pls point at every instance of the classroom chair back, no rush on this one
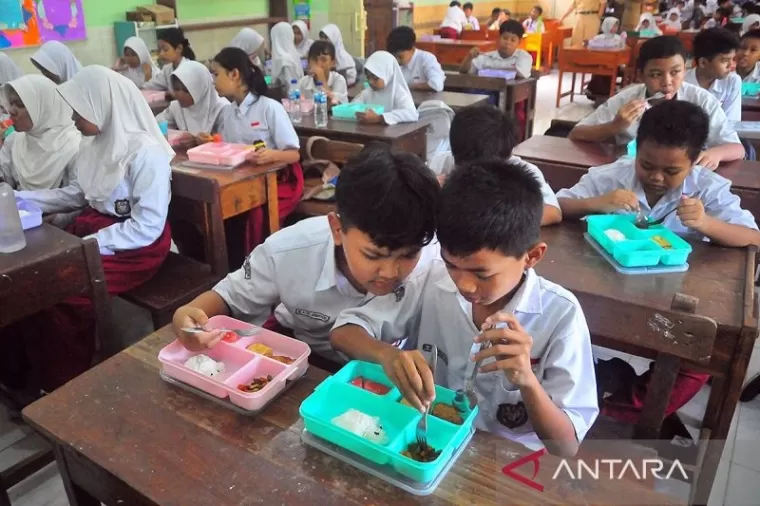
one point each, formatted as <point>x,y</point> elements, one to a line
<point>533,43</point>
<point>439,117</point>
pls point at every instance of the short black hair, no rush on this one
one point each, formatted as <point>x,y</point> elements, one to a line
<point>489,204</point>
<point>468,5</point>
<point>539,9</point>
<point>401,38</point>
<point>512,26</point>
<point>676,124</point>
<point>455,4</point>
<point>391,197</point>
<point>495,11</point>
<point>320,47</point>
<point>658,48</point>
<point>713,42</point>
<point>752,34</point>
<point>481,132</point>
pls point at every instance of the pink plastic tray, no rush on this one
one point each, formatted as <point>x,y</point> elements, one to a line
<point>174,136</point>
<point>220,153</point>
<point>154,95</point>
<point>241,365</point>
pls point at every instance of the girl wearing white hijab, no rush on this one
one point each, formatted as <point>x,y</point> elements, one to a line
<point>647,26</point>
<point>387,88</point>
<point>673,19</point>
<point>123,187</point>
<point>751,22</point>
<point>250,41</point>
<point>197,105</point>
<point>136,63</point>
<point>609,38</point>
<point>8,69</point>
<point>40,154</point>
<point>345,64</point>
<point>301,38</point>
<point>286,63</point>
<point>56,62</point>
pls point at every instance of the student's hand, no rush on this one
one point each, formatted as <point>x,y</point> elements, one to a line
<point>691,212</point>
<point>618,199</point>
<point>265,156</point>
<point>319,74</point>
<point>474,52</point>
<point>191,317</point>
<point>708,160</point>
<point>630,113</point>
<point>147,71</point>
<point>119,64</point>
<point>409,371</point>
<point>203,138</point>
<point>186,141</point>
<point>369,116</point>
<point>511,347</point>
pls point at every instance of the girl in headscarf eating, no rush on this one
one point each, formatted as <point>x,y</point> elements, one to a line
<point>250,41</point>
<point>56,62</point>
<point>647,26</point>
<point>301,38</point>
<point>136,63</point>
<point>345,64</point>
<point>286,63</point>
<point>609,38</point>
<point>387,88</point>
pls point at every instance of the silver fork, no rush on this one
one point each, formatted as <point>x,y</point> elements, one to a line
<point>422,424</point>
<point>240,332</point>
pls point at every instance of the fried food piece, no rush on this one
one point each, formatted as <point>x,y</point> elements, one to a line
<point>421,453</point>
<point>664,244</point>
<point>282,358</point>
<point>255,385</point>
<point>447,412</point>
<point>261,349</point>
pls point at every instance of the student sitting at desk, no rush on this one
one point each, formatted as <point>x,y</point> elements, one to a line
<point>174,49</point>
<point>374,247</point>
<point>540,389</point>
<point>123,190</point>
<point>387,87</point>
<point>665,176</point>
<point>136,64</point>
<point>751,22</point>
<point>346,66</point>
<point>472,21</point>
<point>250,41</point>
<point>421,69</point>
<point>321,64</point>
<point>534,23</point>
<point>253,117</point>
<point>662,64</point>
<point>609,38</point>
<point>672,21</point>
<point>196,105</point>
<point>498,16</point>
<point>714,51</point>
<point>508,56</point>
<point>301,38</point>
<point>453,24</point>
<point>56,62</point>
<point>286,62</point>
<point>647,26</point>
<point>747,64</point>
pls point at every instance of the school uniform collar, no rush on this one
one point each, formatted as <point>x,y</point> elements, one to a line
<point>527,300</point>
<point>328,277</point>
<point>688,187</point>
<point>718,86</point>
<point>246,104</point>
<point>412,60</point>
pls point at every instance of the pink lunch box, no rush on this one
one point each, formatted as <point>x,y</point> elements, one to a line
<point>220,153</point>
<point>154,96</point>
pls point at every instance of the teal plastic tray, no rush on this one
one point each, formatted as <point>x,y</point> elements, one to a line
<point>348,111</point>
<point>638,249</point>
<point>336,395</point>
<point>750,89</point>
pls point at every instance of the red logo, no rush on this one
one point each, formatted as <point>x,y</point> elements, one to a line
<point>533,457</point>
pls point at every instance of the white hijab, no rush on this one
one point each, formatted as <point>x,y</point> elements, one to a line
<point>137,45</point>
<point>673,24</point>
<point>284,52</point>
<point>40,156</point>
<point>647,16</point>
<point>749,21</point>
<point>385,66</point>
<point>342,58</point>
<point>57,59</point>
<point>115,105</point>
<point>607,26</point>
<point>8,69</point>
<point>303,47</point>
<point>201,116</point>
<point>249,40</point>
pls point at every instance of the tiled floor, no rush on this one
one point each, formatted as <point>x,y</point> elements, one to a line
<point>737,482</point>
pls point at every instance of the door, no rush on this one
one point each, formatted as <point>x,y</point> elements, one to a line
<point>351,18</point>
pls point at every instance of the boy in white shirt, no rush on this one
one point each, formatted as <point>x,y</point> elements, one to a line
<point>663,65</point>
<point>508,56</point>
<point>536,384</point>
<point>472,21</point>
<point>373,247</point>
<point>714,52</point>
<point>321,64</point>
<point>747,64</point>
<point>534,23</point>
<point>421,69</point>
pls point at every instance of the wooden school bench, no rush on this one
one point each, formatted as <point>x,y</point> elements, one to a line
<point>453,99</point>
<point>580,60</point>
<point>450,53</point>
<point>182,449</point>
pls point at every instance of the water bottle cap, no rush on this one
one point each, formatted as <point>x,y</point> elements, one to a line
<point>318,83</point>
<point>293,81</point>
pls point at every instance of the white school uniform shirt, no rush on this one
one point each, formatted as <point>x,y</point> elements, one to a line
<point>721,131</point>
<point>711,23</point>
<point>424,68</point>
<point>521,61</point>
<point>455,18</point>
<point>712,189</point>
<point>336,83</point>
<point>533,25</point>
<point>728,92</point>
<point>258,118</point>
<point>754,76</point>
<point>473,22</point>
<point>395,97</point>
<point>162,81</point>
<point>295,270</point>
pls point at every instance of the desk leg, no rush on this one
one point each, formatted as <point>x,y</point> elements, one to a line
<point>215,238</point>
<point>572,86</point>
<point>77,495</point>
<point>273,205</point>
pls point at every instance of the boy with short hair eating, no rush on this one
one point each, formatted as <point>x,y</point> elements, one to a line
<point>714,52</point>
<point>421,69</point>
<point>508,56</point>
<point>747,57</point>
<point>662,63</point>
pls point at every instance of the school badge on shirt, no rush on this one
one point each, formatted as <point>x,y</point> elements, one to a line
<point>512,416</point>
<point>122,207</point>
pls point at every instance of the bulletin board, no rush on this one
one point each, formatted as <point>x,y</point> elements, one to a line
<point>25,23</point>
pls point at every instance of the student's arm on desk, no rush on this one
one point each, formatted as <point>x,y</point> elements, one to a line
<point>467,65</point>
<point>589,196</point>
<point>711,158</point>
<point>717,214</point>
<point>607,121</point>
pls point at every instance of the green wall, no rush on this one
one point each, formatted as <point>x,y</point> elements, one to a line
<point>105,12</point>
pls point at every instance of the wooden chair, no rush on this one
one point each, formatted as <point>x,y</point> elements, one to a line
<point>584,61</point>
<point>533,43</point>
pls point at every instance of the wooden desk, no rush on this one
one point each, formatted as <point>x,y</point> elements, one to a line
<point>206,198</point>
<point>453,99</point>
<point>123,436</point>
<point>590,61</point>
<point>451,52</point>
<point>616,306</point>
<point>750,109</point>
<point>409,137</point>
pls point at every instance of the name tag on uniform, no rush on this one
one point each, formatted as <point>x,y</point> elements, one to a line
<point>314,315</point>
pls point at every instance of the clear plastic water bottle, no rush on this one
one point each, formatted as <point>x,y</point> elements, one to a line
<point>294,96</point>
<point>11,234</point>
<point>320,105</point>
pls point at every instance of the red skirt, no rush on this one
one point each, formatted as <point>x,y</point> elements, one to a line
<point>448,33</point>
<point>289,192</point>
<point>59,342</point>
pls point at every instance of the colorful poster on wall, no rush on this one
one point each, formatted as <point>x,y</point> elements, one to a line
<point>26,23</point>
<point>302,10</point>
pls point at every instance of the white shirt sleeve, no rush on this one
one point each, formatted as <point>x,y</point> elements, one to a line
<point>725,206</point>
<point>339,89</point>
<point>605,113</point>
<point>58,200</point>
<point>251,291</point>
<point>474,22</point>
<point>433,72</point>
<point>477,64</point>
<point>282,131</point>
<point>404,110</point>
<point>721,130</point>
<point>550,199</point>
<point>523,63</point>
<point>150,175</point>
<point>591,185</point>
<point>160,81</point>
<point>168,116</point>
<point>350,75</point>
<point>732,104</point>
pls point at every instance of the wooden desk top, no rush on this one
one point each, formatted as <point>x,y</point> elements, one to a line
<point>456,42</point>
<point>453,99</point>
<point>562,150</point>
<point>354,128</point>
<point>742,174</point>
<point>171,447</point>
<point>42,243</point>
<point>224,177</point>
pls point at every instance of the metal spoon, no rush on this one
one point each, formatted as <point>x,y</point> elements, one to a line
<point>240,332</point>
<point>465,399</point>
<point>656,96</point>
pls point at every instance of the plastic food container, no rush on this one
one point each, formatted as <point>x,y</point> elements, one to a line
<point>307,105</point>
<point>750,89</point>
<point>31,215</point>
<point>507,75</point>
<point>154,95</point>
<point>174,136</point>
<point>241,365</point>
<point>336,395</point>
<point>219,153</point>
<point>640,247</point>
<point>348,111</point>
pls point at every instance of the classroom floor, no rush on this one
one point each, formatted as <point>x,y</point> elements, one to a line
<point>736,484</point>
